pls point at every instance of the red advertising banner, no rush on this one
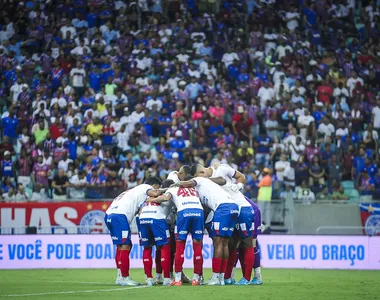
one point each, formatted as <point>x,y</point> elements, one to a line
<point>64,217</point>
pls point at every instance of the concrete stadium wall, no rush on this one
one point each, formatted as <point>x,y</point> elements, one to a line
<point>309,217</point>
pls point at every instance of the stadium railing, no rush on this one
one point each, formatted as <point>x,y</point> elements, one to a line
<point>345,230</point>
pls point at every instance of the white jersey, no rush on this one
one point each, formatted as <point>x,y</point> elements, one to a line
<point>185,198</point>
<point>228,173</point>
<point>156,211</point>
<point>173,175</point>
<point>211,194</point>
<point>128,202</point>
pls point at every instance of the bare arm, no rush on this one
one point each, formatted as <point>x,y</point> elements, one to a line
<point>163,198</point>
<point>185,184</point>
<point>219,180</point>
<point>240,177</point>
<point>154,193</point>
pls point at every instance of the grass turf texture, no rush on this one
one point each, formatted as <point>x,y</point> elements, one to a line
<point>278,284</point>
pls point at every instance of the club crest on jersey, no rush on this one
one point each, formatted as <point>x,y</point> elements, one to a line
<point>93,222</point>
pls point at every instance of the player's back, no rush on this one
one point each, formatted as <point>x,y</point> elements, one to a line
<point>185,198</point>
<point>128,202</point>
<point>210,193</point>
<point>156,211</point>
<point>228,173</point>
<point>173,175</point>
<point>224,171</point>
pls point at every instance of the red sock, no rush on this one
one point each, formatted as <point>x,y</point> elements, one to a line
<point>198,258</point>
<point>148,262</point>
<point>249,259</point>
<point>165,260</point>
<point>158,261</point>
<point>216,264</point>
<point>241,259</point>
<point>117,258</point>
<point>172,252</point>
<point>223,267</point>
<point>230,264</point>
<point>179,256</point>
<point>124,265</point>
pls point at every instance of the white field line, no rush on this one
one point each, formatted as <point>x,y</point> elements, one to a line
<point>82,282</point>
<point>73,292</point>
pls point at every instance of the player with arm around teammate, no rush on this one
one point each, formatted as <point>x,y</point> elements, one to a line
<point>226,212</point>
<point>118,218</point>
<point>190,219</point>
<point>153,230</point>
<point>245,225</point>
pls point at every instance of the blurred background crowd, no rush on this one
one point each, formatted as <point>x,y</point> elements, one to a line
<point>97,95</point>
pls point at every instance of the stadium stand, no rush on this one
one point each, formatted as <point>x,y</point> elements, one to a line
<point>98,95</point>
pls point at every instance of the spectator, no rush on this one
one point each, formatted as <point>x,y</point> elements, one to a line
<point>264,197</point>
<point>304,193</point>
<point>78,182</point>
<point>366,186</point>
<point>316,172</point>
<point>339,194</point>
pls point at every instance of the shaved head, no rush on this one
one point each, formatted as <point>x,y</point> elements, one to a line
<point>183,172</point>
<point>198,170</point>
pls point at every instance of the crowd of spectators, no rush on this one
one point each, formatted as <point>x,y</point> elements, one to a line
<point>96,95</point>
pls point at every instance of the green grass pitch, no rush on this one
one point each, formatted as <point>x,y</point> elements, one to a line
<point>278,284</point>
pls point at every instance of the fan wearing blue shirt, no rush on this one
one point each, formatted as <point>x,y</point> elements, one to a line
<point>92,18</point>
<point>371,168</point>
<point>318,114</point>
<point>243,77</point>
<point>193,88</point>
<point>233,70</point>
<point>71,145</point>
<point>10,124</point>
<point>262,146</point>
<point>95,79</point>
<point>164,121</point>
<point>359,162</point>
<point>178,145</point>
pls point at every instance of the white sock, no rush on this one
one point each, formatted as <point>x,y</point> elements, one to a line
<point>158,276</point>
<point>215,276</point>
<point>257,273</point>
<point>196,277</point>
<point>233,273</point>
<point>168,279</point>
<point>221,276</point>
<point>171,275</point>
<point>118,273</point>
<point>178,276</point>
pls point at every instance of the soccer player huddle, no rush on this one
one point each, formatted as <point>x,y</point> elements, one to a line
<point>193,199</point>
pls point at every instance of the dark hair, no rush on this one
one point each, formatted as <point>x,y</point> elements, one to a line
<point>186,169</point>
<point>153,181</point>
<point>166,183</point>
<point>189,177</point>
<point>194,169</point>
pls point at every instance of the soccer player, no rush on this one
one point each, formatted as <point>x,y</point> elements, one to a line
<point>153,230</point>
<point>226,212</point>
<point>245,224</point>
<point>182,173</point>
<point>190,219</point>
<point>118,218</point>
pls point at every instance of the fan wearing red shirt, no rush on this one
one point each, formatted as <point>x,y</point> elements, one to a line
<point>324,92</point>
<point>241,124</point>
<point>56,128</point>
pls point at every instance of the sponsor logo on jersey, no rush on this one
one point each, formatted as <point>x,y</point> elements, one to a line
<point>115,238</point>
<point>234,211</point>
<point>158,238</point>
<point>225,228</point>
<point>192,215</point>
<point>183,232</point>
<point>198,232</point>
<point>144,239</point>
<point>190,202</point>
<point>146,221</point>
